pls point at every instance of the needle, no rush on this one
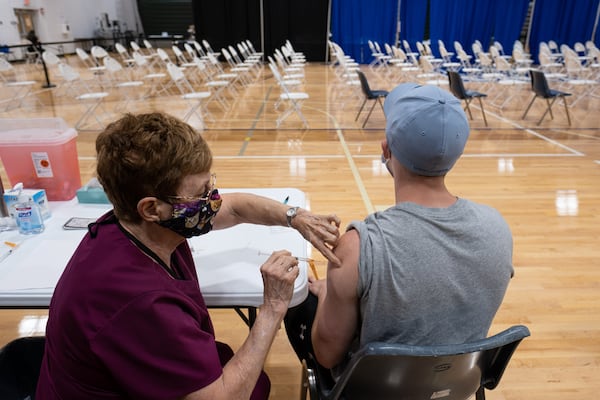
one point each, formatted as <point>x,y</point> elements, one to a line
<point>309,261</point>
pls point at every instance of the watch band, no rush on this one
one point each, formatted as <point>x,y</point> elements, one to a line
<point>291,214</point>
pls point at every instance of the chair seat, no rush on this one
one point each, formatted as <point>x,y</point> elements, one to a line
<point>472,93</point>
<point>21,83</point>
<point>92,96</point>
<point>130,84</point>
<point>217,83</point>
<point>291,82</point>
<point>155,76</point>
<point>556,93</point>
<point>227,76</point>
<point>378,93</point>
<point>196,95</point>
<point>294,96</point>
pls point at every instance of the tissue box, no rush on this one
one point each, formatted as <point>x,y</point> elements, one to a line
<point>92,192</point>
<point>37,195</point>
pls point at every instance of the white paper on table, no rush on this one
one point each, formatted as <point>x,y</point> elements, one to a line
<point>33,271</point>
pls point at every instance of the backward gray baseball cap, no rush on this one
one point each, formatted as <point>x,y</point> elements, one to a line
<point>426,128</point>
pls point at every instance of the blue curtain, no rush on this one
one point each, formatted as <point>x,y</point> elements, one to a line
<point>412,18</point>
<point>354,22</point>
<point>565,22</point>
<point>461,20</point>
<point>508,20</point>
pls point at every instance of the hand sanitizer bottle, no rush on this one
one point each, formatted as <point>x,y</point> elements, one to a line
<point>29,217</point>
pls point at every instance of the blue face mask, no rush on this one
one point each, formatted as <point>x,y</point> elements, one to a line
<point>194,218</point>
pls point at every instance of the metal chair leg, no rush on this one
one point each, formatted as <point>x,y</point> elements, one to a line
<point>361,108</point>
<point>482,111</point>
<point>369,115</point>
<point>528,107</point>
<point>550,104</point>
<point>564,99</point>
<point>549,108</point>
<point>467,108</point>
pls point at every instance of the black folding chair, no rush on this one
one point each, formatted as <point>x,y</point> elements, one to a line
<point>20,362</point>
<point>457,88</point>
<point>539,85</point>
<point>370,94</point>
<point>385,371</point>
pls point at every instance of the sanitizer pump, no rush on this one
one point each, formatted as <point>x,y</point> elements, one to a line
<point>28,215</point>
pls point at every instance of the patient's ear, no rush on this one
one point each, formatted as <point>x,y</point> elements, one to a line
<point>150,208</point>
<point>385,149</point>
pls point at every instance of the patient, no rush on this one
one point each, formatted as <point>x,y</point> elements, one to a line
<point>432,269</point>
<point>127,319</point>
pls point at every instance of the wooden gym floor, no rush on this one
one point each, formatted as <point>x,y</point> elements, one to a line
<point>545,179</point>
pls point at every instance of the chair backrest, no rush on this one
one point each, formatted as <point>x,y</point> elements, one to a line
<point>449,372</point>
<point>190,50</point>
<point>112,65</point>
<point>207,46</point>
<point>364,85</point>
<point>134,46</point>
<point>457,86</point>
<point>98,53</point>
<point>120,48</point>
<point>68,73</point>
<point>20,362</point>
<point>139,59</point>
<point>426,65</point>
<point>163,55</point>
<point>579,48</point>
<point>199,49</point>
<point>539,83</point>
<point>82,54</point>
<point>279,78</point>
<point>50,58</point>
<point>178,53</point>
<point>5,65</point>
<point>502,65</point>
<point>175,72</point>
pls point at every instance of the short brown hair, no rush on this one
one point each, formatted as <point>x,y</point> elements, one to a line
<point>147,155</point>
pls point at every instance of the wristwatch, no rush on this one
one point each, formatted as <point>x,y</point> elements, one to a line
<point>290,214</point>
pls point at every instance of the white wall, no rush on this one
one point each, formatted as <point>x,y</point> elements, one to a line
<point>81,16</point>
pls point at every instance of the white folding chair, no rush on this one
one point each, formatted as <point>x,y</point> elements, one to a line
<point>87,96</point>
<point>119,80</point>
<point>18,90</point>
<point>146,73</point>
<point>242,70</point>
<point>216,86</point>
<point>88,62</point>
<point>219,73</point>
<point>196,99</point>
<point>152,58</point>
<point>180,57</point>
<point>293,99</point>
<point>124,54</point>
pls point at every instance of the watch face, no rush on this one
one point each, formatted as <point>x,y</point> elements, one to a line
<point>291,212</point>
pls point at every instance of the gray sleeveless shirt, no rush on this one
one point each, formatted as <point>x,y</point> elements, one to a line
<point>431,275</point>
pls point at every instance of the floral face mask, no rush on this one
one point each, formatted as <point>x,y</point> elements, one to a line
<point>194,218</point>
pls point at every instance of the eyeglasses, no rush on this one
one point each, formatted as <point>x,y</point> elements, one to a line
<point>204,197</point>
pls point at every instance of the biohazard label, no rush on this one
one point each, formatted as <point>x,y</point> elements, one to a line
<point>41,164</point>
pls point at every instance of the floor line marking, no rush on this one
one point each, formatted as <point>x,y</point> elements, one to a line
<point>308,156</point>
<point>250,132</point>
<point>536,134</point>
<point>353,168</point>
